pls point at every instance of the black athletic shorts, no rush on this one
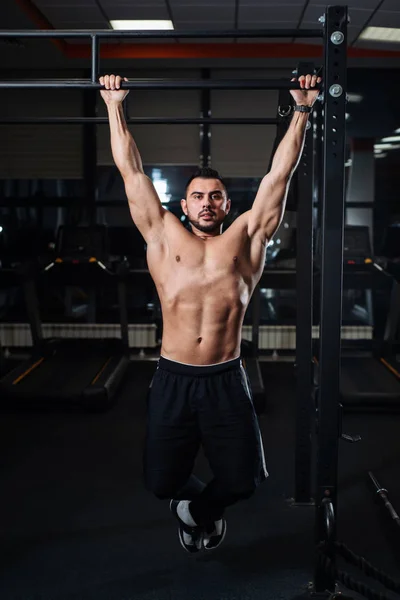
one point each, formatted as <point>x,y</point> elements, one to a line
<point>189,406</point>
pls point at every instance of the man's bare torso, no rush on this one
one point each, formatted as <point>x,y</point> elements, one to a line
<point>204,286</point>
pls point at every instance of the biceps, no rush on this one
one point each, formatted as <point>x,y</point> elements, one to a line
<point>267,210</point>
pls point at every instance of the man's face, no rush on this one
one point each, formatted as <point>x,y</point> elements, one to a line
<point>206,204</point>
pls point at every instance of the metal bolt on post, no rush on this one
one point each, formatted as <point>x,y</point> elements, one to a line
<point>336,90</point>
<point>337,38</point>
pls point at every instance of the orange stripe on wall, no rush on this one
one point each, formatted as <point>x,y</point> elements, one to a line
<point>197,51</point>
<point>38,18</point>
<point>139,51</point>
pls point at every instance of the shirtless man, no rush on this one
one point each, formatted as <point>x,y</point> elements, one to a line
<point>200,393</point>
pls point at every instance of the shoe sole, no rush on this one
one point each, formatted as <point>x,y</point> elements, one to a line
<point>223,534</point>
<point>192,548</point>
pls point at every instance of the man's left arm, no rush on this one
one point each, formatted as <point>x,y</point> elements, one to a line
<point>269,205</point>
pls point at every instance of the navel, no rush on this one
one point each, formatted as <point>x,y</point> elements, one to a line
<point>235,259</point>
<point>199,339</point>
<point>177,258</point>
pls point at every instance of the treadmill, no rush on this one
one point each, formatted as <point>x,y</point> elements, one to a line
<point>8,281</point>
<point>391,255</point>
<point>85,373</point>
<point>368,381</point>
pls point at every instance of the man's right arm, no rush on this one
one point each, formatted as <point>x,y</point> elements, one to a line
<point>144,203</point>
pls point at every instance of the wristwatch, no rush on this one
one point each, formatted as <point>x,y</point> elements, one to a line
<point>303,108</point>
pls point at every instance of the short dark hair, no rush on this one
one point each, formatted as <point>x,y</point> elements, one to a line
<point>205,173</point>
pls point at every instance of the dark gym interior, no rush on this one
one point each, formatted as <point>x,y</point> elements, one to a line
<point>81,324</point>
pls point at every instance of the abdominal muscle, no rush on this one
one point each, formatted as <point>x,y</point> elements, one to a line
<point>202,332</point>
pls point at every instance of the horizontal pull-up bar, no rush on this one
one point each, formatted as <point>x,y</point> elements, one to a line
<point>111,33</point>
<point>138,121</point>
<point>158,84</point>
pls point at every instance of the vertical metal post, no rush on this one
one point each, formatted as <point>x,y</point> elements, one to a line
<point>123,310</point>
<point>32,309</point>
<point>90,155</point>
<point>205,128</point>
<point>92,306</point>
<point>255,324</point>
<point>2,360</point>
<point>335,37</point>
<point>125,107</point>
<point>95,58</point>
<point>318,161</point>
<point>90,135</point>
<point>304,319</point>
<point>392,321</point>
<point>284,116</point>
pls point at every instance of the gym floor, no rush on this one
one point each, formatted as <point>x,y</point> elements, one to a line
<point>77,523</point>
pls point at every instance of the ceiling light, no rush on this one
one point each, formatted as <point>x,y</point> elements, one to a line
<point>354,98</point>
<point>381,34</point>
<point>142,25</point>
<point>386,146</point>
<point>392,138</point>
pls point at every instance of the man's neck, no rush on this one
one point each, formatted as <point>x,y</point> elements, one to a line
<point>206,236</point>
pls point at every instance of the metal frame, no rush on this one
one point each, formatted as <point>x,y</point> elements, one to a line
<point>392,322</point>
<point>139,121</point>
<point>318,164</point>
<point>255,320</point>
<point>304,322</point>
<point>334,34</point>
<point>335,27</point>
<point>155,84</point>
<point>33,312</point>
<point>94,36</point>
<point>89,156</point>
<point>123,310</point>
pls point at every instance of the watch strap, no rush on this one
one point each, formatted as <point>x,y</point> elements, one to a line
<point>303,108</point>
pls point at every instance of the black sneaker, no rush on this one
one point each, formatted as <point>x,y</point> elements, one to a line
<point>191,538</point>
<point>214,535</point>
